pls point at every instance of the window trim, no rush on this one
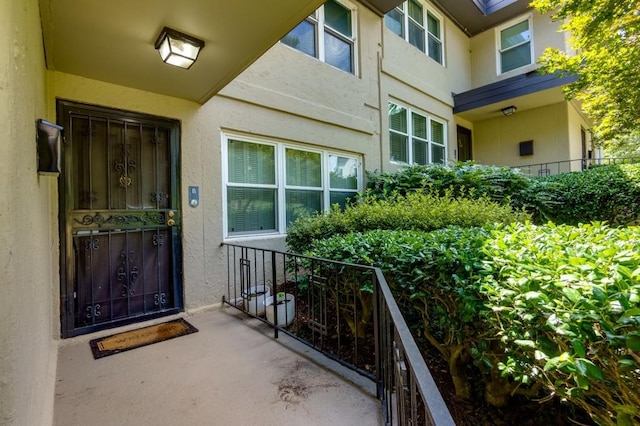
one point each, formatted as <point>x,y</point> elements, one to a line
<point>498,39</point>
<point>426,11</point>
<point>281,185</point>
<point>410,137</point>
<point>320,28</point>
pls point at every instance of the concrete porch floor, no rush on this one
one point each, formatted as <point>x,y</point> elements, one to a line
<point>232,372</point>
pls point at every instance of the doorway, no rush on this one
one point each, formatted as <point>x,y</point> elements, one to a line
<point>464,144</point>
<point>120,221</point>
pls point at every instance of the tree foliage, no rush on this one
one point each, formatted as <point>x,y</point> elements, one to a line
<point>605,35</point>
<point>624,146</point>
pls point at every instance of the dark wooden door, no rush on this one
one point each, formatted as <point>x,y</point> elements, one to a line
<point>120,218</point>
<point>464,144</point>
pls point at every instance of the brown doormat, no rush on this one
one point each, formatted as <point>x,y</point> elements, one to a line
<point>121,342</point>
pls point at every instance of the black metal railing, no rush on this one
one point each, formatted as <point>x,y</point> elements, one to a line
<point>566,166</point>
<point>348,313</point>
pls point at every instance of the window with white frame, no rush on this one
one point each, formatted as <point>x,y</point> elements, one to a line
<point>418,25</point>
<point>416,138</point>
<point>328,35</point>
<point>515,49</point>
<point>271,184</point>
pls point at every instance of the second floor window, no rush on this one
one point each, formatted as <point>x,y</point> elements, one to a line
<point>419,26</point>
<point>416,138</point>
<point>514,46</point>
<point>328,35</point>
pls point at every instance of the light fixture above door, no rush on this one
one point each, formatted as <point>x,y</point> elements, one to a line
<point>177,48</point>
<point>510,110</point>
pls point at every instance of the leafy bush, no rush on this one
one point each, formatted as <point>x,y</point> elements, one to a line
<point>416,211</point>
<point>565,303</point>
<point>433,278</point>
<point>604,193</point>
<point>461,179</point>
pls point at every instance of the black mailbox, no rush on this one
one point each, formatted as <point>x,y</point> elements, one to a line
<point>49,137</point>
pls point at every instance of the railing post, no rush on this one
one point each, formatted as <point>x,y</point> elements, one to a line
<point>376,334</point>
<point>274,277</point>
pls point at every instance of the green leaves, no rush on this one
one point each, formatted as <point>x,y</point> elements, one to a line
<point>584,333</point>
<point>605,54</point>
<point>588,369</point>
<point>416,211</point>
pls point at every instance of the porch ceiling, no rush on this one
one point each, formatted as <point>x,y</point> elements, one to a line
<point>113,41</point>
<point>522,103</point>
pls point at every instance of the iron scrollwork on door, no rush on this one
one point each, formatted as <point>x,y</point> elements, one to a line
<point>93,311</point>
<point>124,165</point>
<point>158,240</point>
<point>157,197</point>
<point>128,219</point>
<point>160,299</point>
<point>91,244</point>
<point>127,274</point>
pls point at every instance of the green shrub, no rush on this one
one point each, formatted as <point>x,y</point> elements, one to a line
<point>604,193</point>
<point>461,179</point>
<point>416,211</point>
<point>565,303</point>
<point>433,277</point>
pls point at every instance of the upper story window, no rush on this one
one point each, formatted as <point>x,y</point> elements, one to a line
<point>416,138</point>
<point>328,35</point>
<point>270,184</point>
<point>419,26</point>
<point>515,49</point>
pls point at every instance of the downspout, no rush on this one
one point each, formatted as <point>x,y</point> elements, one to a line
<point>380,54</point>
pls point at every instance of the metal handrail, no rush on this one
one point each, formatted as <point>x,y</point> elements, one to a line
<point>404,384</point>
<point>565,166</point>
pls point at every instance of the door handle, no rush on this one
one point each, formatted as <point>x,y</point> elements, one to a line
<point>171,222</point>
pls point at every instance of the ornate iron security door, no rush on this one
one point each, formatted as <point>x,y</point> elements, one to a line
<point>120,222</point>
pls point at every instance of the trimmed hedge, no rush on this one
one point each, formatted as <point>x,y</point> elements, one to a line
<point>416,211</point>
<point>462,179</point>
<point>565,303</point>
<point>603,193</point>
<point>433,278</point>
<point>539,310</point>
<point>608,193</point>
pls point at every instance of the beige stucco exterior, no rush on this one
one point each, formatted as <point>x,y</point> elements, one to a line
<point>28,266</point>
<point>284,96</point>
<point>554,129</point>
<point>497,140</point>
<point>484,48</point>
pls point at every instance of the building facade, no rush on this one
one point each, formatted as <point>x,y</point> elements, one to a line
<point>153,181</point>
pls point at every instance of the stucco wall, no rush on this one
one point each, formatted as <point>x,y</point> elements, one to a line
<point>496,141</point>
<point>28,351</point>
<point>484,49</point>
<point>312,104</point>
<point>197,132</point>
<point>578,121</point>
<point>414,79</point>
<point>406,63</point>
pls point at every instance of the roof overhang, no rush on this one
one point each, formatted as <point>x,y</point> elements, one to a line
<point>476,16</point>
<point>113,41</point>
<point>525,91</point>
